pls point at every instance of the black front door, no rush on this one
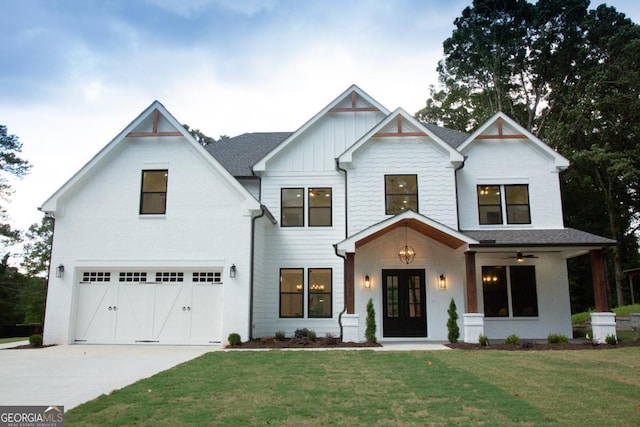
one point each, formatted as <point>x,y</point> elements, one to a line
<point>404,303</point>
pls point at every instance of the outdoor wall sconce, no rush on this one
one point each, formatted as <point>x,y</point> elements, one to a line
<point>367,282</point>
<point>442,282</point>
<point>232,271</point>
<point>60,271</point>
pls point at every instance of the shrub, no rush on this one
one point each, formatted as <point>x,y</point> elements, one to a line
<point>512,339</point>
<point>234,339</point>
<point>311,335</point>
<point>35,340</point>
<point>370,332</point>
<point>301,333</point>
<point>452,323</point>
<point>611,340</point>
<point>280,336</point>
<point>557,339</point>
<point>483,340</point>
<point>331,340</point>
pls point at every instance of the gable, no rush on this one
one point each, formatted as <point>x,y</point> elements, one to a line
<point>316,144</point>
<point>398,127</point>
<point>154,126</point>
<point>500,130</point>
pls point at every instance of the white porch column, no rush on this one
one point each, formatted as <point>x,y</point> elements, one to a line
<point>351,327</point>
<point>602,325</point>
<point>473,325</point>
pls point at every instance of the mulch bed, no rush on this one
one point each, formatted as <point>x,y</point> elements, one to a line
<point>271,342</point>
<point>528,345</point>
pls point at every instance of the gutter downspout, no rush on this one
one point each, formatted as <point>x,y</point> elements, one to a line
<point>455,177</point>
<point>263,212</point>
<point>335,247</point>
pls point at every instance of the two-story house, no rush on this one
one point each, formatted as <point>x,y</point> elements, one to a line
<point>160,240</point>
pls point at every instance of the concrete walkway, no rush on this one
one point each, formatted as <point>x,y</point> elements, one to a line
<point>69,375</point>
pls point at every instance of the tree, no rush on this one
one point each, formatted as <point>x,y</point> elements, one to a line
<point>37,248</point>
<point>452,323</point>
<point>370,332</point>
<point>199,136</point>
<point>11,165</point>
<point>572,77</point>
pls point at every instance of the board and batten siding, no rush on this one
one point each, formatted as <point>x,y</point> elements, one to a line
<point>399,156</point>
<point>496,162</point>
<point>317,147</point>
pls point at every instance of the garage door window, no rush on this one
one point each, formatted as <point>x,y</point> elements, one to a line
<point>96,276</point>
<point>169,276</point>
<point>207,277</point>
<point>133,277</point>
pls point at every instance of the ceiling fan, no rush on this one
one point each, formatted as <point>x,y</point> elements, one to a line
<point>519,257</point>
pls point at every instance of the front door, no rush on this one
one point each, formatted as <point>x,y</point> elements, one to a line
<point>404,303</point>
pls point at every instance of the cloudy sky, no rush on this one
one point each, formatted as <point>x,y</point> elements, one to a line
<point>74,73</point>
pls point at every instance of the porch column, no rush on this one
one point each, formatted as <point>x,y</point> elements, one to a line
<point>473,322</point>
<point>599,280</point>
<point>471,289</point>
<point>350,320</point>
<point>349,277</point>
<point>603,322</point>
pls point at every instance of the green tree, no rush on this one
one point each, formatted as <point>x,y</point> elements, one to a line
<point>569,75</point>
<point>37,248</point>
<point>11,165</point>
<point>370,332</point>
<point>452,323</point>
<point>199,136</point>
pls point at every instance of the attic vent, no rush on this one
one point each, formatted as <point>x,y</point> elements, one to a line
<point>96,276</point>
<point>488,242</point>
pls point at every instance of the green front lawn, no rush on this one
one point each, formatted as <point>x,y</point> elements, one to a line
<point>585,316</point>
<point>354,388</point>
<point>6,340</point>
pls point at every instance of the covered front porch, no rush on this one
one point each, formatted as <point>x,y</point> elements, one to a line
<point>411,291</point>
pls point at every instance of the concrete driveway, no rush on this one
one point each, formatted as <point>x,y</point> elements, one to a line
<point>73,374</point>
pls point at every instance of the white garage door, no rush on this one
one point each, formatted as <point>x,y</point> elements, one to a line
<point>165,307</point>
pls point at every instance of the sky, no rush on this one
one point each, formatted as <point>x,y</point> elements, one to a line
<point>74,73</point>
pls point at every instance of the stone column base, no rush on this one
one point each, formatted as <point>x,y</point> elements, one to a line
<point>351,327</point>
<point>473,327</point>
<point>602,325</point>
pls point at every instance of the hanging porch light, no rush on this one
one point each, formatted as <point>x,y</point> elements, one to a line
<point>406,254</point>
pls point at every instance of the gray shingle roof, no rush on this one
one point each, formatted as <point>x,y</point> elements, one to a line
<point>559,237</point>
<point>450,136</point>
<point>240,153</point>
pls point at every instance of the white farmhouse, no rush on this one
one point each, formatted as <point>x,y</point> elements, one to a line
<point>159,240</point>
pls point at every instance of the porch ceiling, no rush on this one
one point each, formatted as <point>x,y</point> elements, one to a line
<point>419,226</point>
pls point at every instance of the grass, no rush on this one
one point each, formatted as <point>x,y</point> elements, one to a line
<point>585,316</point>
<point>7,340</point>
<point>305,388</point>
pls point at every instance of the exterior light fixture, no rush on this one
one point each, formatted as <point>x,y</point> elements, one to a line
<point>406,254</point>
<point>60,271</point>
<point>232,271</point>
<point>519,257</point>
<point>367,282</point>
<point>442,282</point>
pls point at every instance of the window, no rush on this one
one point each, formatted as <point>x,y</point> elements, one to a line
<point>291,292</point>
<point>96,276</point>
<point>517,198</point>
<point>516,202</point>
<point>153,199</point>
<point>401,193</point>
<point>320,280</point>
<point>169,276</point>
<point>133,277</point>
<point>509,291</point>
<point>207,277</point>
<point>292,203</point>
<point>319,207</point>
